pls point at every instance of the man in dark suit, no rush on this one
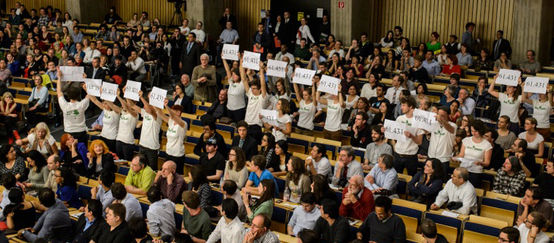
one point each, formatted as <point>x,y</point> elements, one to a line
<point>227,17</point>
<point>95,71</point>
<point>246,143</point>
<point>287,31</point>
<point>500,45</point>
<point>190,56</point>
<point>91,223</point>
<point>269,24</point>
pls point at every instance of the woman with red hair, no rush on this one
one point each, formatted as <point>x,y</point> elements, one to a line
<point>100,159</point>
<point>73,153</point>
<point>451,66</point>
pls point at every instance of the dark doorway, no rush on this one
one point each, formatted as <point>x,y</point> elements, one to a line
<point>309,8</point>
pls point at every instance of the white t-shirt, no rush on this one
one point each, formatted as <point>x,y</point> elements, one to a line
<point>306,113</point>
<point>282,121</point>
<point>350,104</point>
<point>127,124</point>
<point>524,231</point>
<point>334,116</point>
<point>408,147</point>
<point>235,96</point>
<point>541,112</point>
<point>42,149</point>
<point>74,115</point>
<point>175,145</point>
<point>441,143</point>
<point>368,92</point>
<point>110,123</point>
<point>509,107</point>
<point>534,145</point>
<point>255,104</point>
<point>184,30</point>
<point>149,134</point>
<point>475,152</point>
<point>393,95</point>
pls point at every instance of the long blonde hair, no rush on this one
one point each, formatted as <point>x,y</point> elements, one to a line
<point>41,126</point>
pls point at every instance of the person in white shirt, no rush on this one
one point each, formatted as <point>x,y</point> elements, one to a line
<point>175,134</point>
<point>185,30</point>
<point>335,109</point>
<point>541,111</point>
<point>467,104</point>
<point>369,89</point>
<point>458,190</point>
<point>509,103</point>
<point>229,227</point>
<point>149,134</point>
<point>535,141</point>
<point>283,128</point>
<point>91,53</point>
<point>235,94</point>
<point>393,93</point>
<point>308,106</point>
<point>284,53</point>
<point>405,151</point>
<point>125,139</point>
<point>317,162</point>
<point>441,143</point>
<point>475,152</point>
<point>73,111</point>
<point>257,97</point>
<point>200,34</point>
<point>338,49</point>
<point>531,230</point>
<point>135,64</point>
<point>305,216</point>
<point>304,32</point>
<point>110,120</point>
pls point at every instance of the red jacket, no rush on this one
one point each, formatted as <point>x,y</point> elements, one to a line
<point>361,208</point>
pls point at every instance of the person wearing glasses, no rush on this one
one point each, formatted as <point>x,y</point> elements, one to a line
<point>531,229</point>
<point>508,234</point>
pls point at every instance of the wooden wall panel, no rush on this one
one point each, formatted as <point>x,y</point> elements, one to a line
<point>161,9</point>
<point>419,18</point>
<point>248,17</point>
<point>36,4</point>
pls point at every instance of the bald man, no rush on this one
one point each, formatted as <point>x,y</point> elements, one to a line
<point>169,182</point>
<point>357,200</point>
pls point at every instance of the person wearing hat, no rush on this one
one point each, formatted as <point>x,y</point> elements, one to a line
<point>212,161</point>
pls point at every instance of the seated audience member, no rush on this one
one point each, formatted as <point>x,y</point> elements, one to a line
<point>100,158</point>
<point>497,156</point>
<point>317,162</point>
<point>229,227</point>
<point>429,232</point>
<point>52,163</point>
<point>117,230</point>
<point>218,109</point>
<point>196,222</point>
<point>208,123</point>
<point>8,182</point>
<point>245,142</point>
<point>509,234</point>
<point>535,141</point>
<point>212,161</point>
<point>357,200</point>
<point>55,218</point>
<point>527,158</point>
<point>304,217</point>
<point>169,182</point>
<point>330,227</point>
<point>264,205</point>
<point>375,149</point>
<point>259,231</point>
<point>426,184</point>
<point>67,187</point>
<point>361,133</point>
<point>138,229</point>
<point>41,140</point>
<point>38,100</point>
<point>322,190</point>
<point>38,171</point>
<point>229,190</point>
<point>90,224</point>
<point>160,214</point>
<point>382,225</point>
<point>533,201</point>
<point>200,184</point>
<point>132,205</point>
<point>346,167</point>
<point>20,213</point>
<point>459,193</point>
<point>103,192</point>
<point>259,173</point>
<point>235,168</point>
<point>531,230</point>
<point>308,236</point>
<point>297,180</point>
<point>545,181</point>
<point>140,176</point>
<point>382,179</point>
<point>12,162</point>
<point>73,153</point>
<point>510,179</point>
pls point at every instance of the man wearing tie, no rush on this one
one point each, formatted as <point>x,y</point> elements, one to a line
<point>190,57</point>
<point>501,45</point>
<point>95,71</point>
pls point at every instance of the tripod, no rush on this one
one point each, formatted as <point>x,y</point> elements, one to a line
<point>177,13</point>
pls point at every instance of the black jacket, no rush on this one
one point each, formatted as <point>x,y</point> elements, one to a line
<point>120,234</point>
<point>200,147</point>
<point>504,47</point>
<point>107,164</point>
<point>190,59</point>
<point>94,231</point>
<point>100,73</point>
<point>250,147</point>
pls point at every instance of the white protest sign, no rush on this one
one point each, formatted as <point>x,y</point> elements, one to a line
<point>394,130</point>
<point>536,85</point>
<point>508,77</point>
<point>276,68</point>
<point>303,76</point>
<point>425,120</point>
<point>109,91</point>
<point>269,116</point>
<point>329,85</point>
<point>157,97</point>
<point>230,52</point>
<point>132,90</point>
<point>251,60</point>
<point>93,86</point>
<point>73,74</point>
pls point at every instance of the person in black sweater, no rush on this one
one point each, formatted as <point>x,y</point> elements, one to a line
<point>361,132</point>
<point>418,73</point>
<point>497,158</point>
<point>545,181</point>
<point>526,157</point>
<point>208,122</point>
<point>330,227</point>
<point>116,230</point>
<point>245,142</point>
<point>93,214</point>
<point>382,225</point>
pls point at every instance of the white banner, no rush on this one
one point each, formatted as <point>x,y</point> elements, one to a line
<point>394,130</point>
<point>535,85</point>
<point>329,85</point>
<point>508,77</point>
<point>303,76</point>
<point>251,60</point>
<point>276,68</point>
<point>109,91</point>
<point>132,89</point>
<point>157,97</point>
<point>230,52</point>
<point>72,74</point>
<point>93,86</point>
<point>269,116</point>
<point>425,120</point>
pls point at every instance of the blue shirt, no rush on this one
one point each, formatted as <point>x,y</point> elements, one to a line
<point>88,224</point>
<point>387,179</point>
<point>69,194</point>
<point>265,175</point>
<point>432,68</point>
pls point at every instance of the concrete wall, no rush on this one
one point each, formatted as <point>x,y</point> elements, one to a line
<point>87,11</point>
<point>350,19</point>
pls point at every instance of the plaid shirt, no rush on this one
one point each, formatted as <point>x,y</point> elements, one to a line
<point>506,184</point>
<point>43,20</point>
